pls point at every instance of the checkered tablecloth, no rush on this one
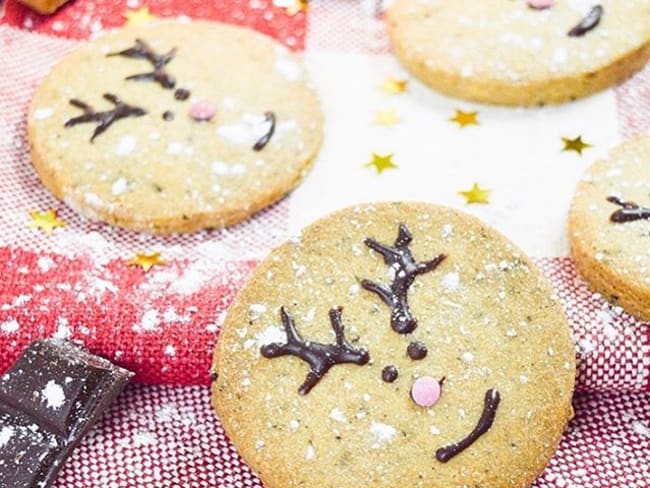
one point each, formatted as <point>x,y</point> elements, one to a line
<point>163,323</point>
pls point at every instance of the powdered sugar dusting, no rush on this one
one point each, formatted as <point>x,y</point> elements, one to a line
<point>381,434</point>
<point>5,435</point>
<point>9,326</point>
<point>53,395</point>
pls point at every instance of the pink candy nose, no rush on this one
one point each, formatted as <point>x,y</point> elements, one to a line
<point>426,391</point>
<point>203,111</point>
<point>540,4</point>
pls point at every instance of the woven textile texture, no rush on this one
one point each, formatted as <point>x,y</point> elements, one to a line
<point>163,324</point>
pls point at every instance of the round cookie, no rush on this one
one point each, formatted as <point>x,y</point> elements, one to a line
<point>174,126</point>
<point>511,53</point>
<point>609,226</point>
<point>370,350</point>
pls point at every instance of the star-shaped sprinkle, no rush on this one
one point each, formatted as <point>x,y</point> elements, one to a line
<point>146,261</point>
<point>292,7</point>
<point>393,86</point>
<point>141,16</point>
<point>46,221</point>
<point>577,144</point>
<point>464,119</point>
<point>476,194</point>
<point>386,117</point>
<point>382,163</point>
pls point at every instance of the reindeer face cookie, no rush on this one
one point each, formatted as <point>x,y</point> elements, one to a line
<point>396,344</point>
<point>609,226</point>
<point>174,126</point>
<point>521,52</point>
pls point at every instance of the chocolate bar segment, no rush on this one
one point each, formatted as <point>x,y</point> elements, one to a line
<point>49,399</point>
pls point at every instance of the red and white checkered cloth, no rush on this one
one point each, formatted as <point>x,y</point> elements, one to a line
<point>163,324</point>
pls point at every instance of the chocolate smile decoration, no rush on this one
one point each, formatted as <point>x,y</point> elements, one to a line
<point>269,118</point>
<point>588,23</point>
<point>491,403</point>
<point>141,50</point>
<point>320,357</point>
<point>406,269</point>
<point>106,118</point>
<point>629,211</point>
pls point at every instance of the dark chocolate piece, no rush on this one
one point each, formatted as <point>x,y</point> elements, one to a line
<point>588,23</point>
<point>105,119</point>
<point>389,373</point>
<point>168,115</point>
<point>417,350</point>
<point>406,269</point>
<point>264,140</point>
<point>320,357</point>
<point>181,94</point>
<point>629,211</point>
<point>491,403</point>
<point>49,399</point>
<point>142,51</point>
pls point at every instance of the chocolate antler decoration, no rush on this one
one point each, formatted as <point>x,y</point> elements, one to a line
<point>105,119</point>
<point>141,50</point>
<point>628,212</point>
<point>396,296</point>
<point>321,357</point>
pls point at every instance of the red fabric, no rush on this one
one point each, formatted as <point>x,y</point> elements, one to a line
<point>163,323</point>
<point>117,311</point>
<point>169,437</point>
<point>80,19</point>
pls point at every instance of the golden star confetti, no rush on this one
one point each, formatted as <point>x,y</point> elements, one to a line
<point>476,194</point>
<point>146,261</point>
<point>141,16</point>
<point>393,86</point>
<point>46,221</point>
<point>292,7</point>
<point>464,119</point>
<point>386,117</point>
<point>577,144</point>
<point>382,163</point>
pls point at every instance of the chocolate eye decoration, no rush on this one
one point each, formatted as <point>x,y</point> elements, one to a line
<point>417,350</point>
<point>389,374</point>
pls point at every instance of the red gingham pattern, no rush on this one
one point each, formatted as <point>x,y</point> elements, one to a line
<point>169,437</point>
<point>75,283</point>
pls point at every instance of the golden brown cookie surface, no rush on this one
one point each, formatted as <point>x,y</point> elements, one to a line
<point>175,126</point>
<point>609,226</point>
<point>386,305</point>
<point>507,52</point>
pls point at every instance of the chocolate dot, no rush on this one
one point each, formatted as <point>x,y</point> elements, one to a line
<point>389,374</point>
<point>168,115</point>
<point>181,94</point>
<point>214,377</point>
<point>417,350</point>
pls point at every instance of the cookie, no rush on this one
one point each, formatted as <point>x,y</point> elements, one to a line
<point>175,126</point>
<point>395,344</point>
<point>44,6</point>
<point>521,52</point>
<point>609,227</point>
